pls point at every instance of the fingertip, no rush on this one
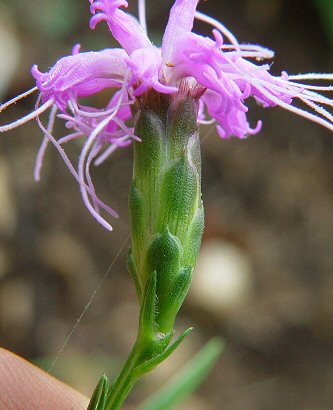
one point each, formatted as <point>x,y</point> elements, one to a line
<point>24,386</point>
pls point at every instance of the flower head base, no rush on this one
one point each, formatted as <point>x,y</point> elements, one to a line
<point>219,72</point>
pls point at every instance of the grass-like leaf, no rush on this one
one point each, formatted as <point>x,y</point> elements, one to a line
<point>149,365</point>
<point>187,379</point>
<point>98,399</point>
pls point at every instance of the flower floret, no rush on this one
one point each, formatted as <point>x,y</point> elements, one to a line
<point>219,72</point>
<point>146,65</point>
<point>81,75</point>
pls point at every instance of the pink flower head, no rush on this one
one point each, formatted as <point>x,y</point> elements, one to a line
<point>222,73</point>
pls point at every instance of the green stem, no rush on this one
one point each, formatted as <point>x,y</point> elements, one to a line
<point>125,381</point>
<point>167,223</point>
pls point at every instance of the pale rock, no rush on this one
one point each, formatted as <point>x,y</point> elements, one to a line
<point>223,279</point>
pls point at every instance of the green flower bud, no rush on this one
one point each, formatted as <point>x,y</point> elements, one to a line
<point>179,195</point>
<point>192,242</point>
<point>182,124</point>
<point>163,256</point>
<point>138,213</point>
<point>171,300</point>
<point>165,200</point>
<point>148,156</point>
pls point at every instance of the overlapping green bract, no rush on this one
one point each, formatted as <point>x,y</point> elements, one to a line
<point>165,200</point>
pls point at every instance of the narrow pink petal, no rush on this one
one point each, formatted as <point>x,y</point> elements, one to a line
<point>82,74</point>
<point>180,23</point>
<point>124,27</point>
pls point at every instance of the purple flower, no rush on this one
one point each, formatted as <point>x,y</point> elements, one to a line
<point>222,75</point>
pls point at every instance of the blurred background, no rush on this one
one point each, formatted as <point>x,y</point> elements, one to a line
<point>264,279</point>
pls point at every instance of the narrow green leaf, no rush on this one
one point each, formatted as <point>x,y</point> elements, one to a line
<point>133,271</point>
<point>193,237</point>
<point>170,301</point>
<point>98,398</point>
<point>149,365</point>
<point>186,380</point>
<point>148,310</point>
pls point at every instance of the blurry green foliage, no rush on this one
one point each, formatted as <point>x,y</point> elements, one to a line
<point>325,8</point>
<point>187,379</point>
<point>53,19</point>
